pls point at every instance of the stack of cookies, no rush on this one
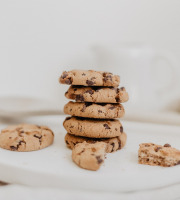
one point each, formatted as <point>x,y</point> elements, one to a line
<point>96,107</point>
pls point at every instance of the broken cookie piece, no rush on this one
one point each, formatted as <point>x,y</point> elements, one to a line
<point>152,154</point>
<point>89,156</point>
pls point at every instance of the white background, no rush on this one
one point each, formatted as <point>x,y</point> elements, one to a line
<point>38,38</point>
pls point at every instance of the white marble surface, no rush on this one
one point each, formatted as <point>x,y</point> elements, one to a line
<point>120,173</point>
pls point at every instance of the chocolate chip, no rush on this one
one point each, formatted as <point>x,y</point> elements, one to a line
<point>13,148</point>
<point>90,83</point>
<point>84,108</point>
<point>83,74</point>
<point>116,129</point>
<point>112,107</point>
<point>121,129</point>
<point>167,145</point>
<point>89,91</point>
<point>93,78</point>
<point>99,111</point>
<point>119,145</point>
<point>68,81</point>
<point>157,149</point>
<point>107,74</point>
<point>39,137</point>
<point>178,163</point>
<point>99,159</point>
<point>147,145</point>
<point>122,88</point>
<point>112,147</point>
<point>117,99</point>
<point>67,142</point>
<point>106,126</point>
<point>79,97</point>
<point>108,77</point>
<point>64,75</point>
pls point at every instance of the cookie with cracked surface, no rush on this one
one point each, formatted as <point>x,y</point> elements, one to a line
<point>89,78</point>
<point>89,156</point>
<point>113,144</point>
<point>26,137</point>
<point>93,128</point>
<point>153,154</point>
<point>97,94</point>
<point>94,110</point>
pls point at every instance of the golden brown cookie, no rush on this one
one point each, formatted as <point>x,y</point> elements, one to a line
<point>153,154</point>
<point>89,156</point>
<point>113,144</point>
<point>97,94</point>
<point>93,128</point>
<point>94,110</point>
<point>89,78</point>
<point>26,137</point>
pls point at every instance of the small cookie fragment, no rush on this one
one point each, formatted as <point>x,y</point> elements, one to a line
<point>94,110</point>
<point>153,154</point>
<point>89,156</point>
<point>93,128</point>
<point>97,94</point>
<point>89,78</point>
<point>26,137</point>
<point>113,144</point>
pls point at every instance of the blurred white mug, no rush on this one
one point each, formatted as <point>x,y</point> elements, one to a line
<point>149,75</point>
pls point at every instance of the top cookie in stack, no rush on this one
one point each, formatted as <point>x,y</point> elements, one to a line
<point>89,78</point>
<point>97,104</point>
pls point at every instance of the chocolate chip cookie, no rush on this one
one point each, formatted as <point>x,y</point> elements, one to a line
<point>89,78</point>
<point>94,110</point>
<point>26,137</point>
<point>153,154</point>
<point>89,156</point>
<point>97,94</point>
<point>93,128</point>
<point>113,144</point>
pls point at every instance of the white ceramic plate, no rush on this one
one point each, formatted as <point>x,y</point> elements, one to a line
<point>120,172</point>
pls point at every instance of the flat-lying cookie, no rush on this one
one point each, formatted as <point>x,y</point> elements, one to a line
<point>93,128</point>
<point>89,78</point>
<point>89,156</point>
<point>94,110</point>
<point>152,154</point>
<point>97,94</point>
<point>113,144</point>
<point>26,137</point>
